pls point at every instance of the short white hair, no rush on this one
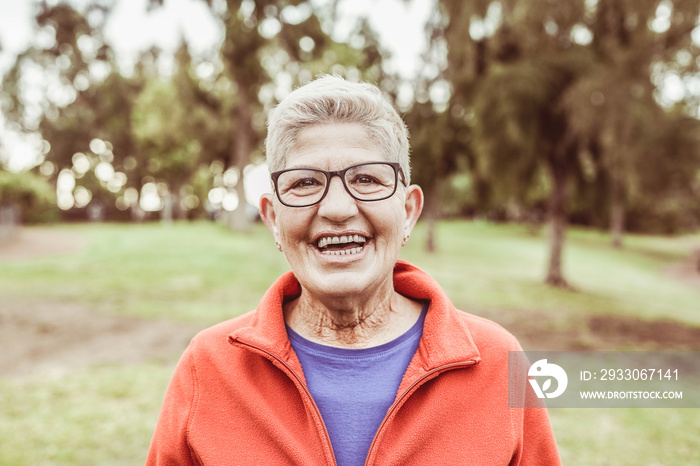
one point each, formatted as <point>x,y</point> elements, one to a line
<point>332,99</point>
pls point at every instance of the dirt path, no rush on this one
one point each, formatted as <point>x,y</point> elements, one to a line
<point>39,339</point>
<point>687,271</point>
<point>49,339</point>
<point>36,241</point>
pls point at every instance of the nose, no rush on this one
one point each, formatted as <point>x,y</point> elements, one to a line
<point>338,205</point>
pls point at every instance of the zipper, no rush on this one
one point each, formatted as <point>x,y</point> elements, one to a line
<point>300,383</point>
<point>399,401</point>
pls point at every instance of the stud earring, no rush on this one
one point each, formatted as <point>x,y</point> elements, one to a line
<point>405,238</point>
<point>279,246</point>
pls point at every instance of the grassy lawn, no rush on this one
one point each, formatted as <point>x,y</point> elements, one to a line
<point>196,273</point>
<point>200,274</point>
<point>101,416</point>
<point>483,265</point>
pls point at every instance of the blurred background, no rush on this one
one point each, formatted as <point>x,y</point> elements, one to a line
<point>576,111</point>
<point>558,143</point>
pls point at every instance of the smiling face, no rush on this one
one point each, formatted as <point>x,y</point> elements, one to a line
<point>341,248</point>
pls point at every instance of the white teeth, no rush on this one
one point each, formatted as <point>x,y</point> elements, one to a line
<point>343,252</point>
<point>325,241</point>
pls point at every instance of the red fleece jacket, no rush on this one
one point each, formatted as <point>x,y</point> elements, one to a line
<point>239,397</point>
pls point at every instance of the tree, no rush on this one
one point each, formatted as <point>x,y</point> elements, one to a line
<point>171,124</point>
<point>439,145</point>
<point>505,83</point>
<point>663,198</point>
<point>81,98</point>
<point>30,194</point>
<point>438,117</point>
<point>530,74</point>
<point>615,107</point>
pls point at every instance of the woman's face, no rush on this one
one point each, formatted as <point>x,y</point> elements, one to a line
<point>374,230</point>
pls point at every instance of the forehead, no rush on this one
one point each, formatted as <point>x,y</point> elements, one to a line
<point>333,146</point>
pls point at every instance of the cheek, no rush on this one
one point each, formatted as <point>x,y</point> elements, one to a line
<point>390,225</point>
<point>293,226</point>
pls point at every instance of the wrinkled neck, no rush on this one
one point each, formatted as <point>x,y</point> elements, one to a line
<point>352,323</point>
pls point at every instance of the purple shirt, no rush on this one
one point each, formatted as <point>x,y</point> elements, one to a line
<point>354,388</point>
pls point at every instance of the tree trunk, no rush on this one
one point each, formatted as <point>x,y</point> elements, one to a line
<point>172,208</point>
<point>166,214</point>
<point>557,229</point>
<point>617,212</point>
<point>432,214</point>
<point>137,214</point>
<point>9,220</point>
<point>238,219</point>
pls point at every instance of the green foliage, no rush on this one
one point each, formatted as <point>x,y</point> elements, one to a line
<point>558,104</point>
<point>160,120</point>
<point>88,98</point>
<point>31,193</point>
<point>162,128</point>
<point>569,89</point>
<point>514,130</point>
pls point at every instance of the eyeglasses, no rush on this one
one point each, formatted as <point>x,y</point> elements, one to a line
<point>304,187</point>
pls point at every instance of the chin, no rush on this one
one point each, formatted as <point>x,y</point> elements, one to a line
<point>342,283</point>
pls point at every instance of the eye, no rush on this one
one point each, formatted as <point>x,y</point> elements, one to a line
<point>305,183</point>
<point>367,176</point>
<point>365,179</point>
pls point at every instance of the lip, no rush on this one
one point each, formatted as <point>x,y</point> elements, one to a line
<point>341,259</point>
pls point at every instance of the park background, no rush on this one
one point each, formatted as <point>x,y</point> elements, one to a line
<point>558,144</point>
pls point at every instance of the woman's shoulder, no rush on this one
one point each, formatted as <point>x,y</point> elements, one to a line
<point>219,333</point>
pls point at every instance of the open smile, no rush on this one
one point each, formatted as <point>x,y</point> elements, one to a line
<point>341,245</point>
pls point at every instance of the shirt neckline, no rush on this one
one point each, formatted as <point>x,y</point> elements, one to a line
<point>322,349</point>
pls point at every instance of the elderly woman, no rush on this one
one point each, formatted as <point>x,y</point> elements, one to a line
<point>353,357</point>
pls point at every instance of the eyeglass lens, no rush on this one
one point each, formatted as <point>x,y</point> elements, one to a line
<point>366,182</point>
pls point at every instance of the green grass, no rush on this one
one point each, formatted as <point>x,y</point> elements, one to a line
<point>627,437</point>
<point>483,265</point>
<point>186,272</point>
<point>201,274</point>
<point>102,416</point>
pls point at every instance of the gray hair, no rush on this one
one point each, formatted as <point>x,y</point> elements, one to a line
<point>331,99</point>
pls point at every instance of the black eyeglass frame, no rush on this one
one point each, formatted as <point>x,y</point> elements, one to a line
<point>340,174</point>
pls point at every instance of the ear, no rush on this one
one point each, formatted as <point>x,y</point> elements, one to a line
<point>414,207</point>
<point>268,214</point>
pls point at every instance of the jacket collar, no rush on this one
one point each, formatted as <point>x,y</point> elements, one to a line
<point>446,338</point>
